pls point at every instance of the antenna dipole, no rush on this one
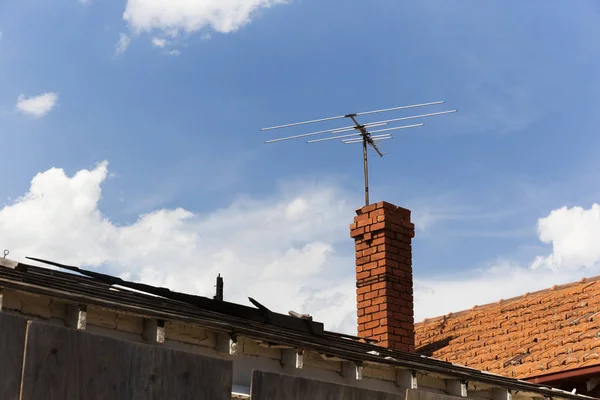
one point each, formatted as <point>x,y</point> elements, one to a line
<point>361,133</point>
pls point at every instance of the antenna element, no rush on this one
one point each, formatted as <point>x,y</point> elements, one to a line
<point>361,133</point>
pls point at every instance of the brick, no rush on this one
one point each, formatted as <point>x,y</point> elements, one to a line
<point>364,222</point>
<point>370,296</point>
<point>379,330</point>
<point>366,333</point>
<point>381,285</point>
<point>364,319</point>
<point>370,266</point>
<point>371,309</point>
<point>363,260</point>
<point>400,332</point>
<point>364,304</point>
<point>357,232</point>
<point>379,315</point>
<point>408,340</point>
<point>390,248</point>
<point>378,300</point>
<point>373,325</point>
<point>363,289</point>
<point>388,263</point>
<point>361,246</point>
<point>378,226</point>
<point>369,208</point>
<point>369,251</point>
<point>362,217</point>
<point>378,256</point>
<point>363,275</point>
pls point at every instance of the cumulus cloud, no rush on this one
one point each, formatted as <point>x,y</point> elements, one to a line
<point>37,106</point>
<point>289,251</point>
<point>173,16</point>
<point>123,43</point>
<point>159,42</point>
<point>281,250</point>
<point>574,236</point>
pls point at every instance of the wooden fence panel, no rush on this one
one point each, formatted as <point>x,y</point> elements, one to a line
<point>63,363</point>
<point>270,386</point>
<point>12,346</point>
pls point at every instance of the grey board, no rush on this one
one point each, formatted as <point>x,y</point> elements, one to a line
<point>66,364</point>
<point>12,346</point>
<point>270,386</point>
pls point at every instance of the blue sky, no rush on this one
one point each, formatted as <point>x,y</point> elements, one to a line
<point>179,126</point>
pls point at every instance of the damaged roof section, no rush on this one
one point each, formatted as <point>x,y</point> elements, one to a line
<point>258,323</point>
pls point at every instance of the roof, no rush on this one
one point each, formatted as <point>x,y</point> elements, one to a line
<point>541,333</point>
<point>255,323</point>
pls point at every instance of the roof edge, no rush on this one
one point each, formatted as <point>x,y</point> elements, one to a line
<point>488,305</point>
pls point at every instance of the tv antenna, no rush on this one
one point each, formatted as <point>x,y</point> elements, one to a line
<point>362,133</point>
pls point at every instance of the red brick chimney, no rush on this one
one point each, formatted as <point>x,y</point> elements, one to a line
<point>382,234</point>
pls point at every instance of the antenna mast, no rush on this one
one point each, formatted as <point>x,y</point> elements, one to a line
<point>362,133</point>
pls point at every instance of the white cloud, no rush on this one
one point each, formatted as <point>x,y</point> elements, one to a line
<point>574,234</point>
<point>223,16</point>
<point>290,251</point>
<point>174,52</point>
<point>1,34</point>
<point>85,2</point>
<point>159,42</point>
<point>575,237</point>
<point>123,43</point>
<point>37,106</point>
<point>282,251</point>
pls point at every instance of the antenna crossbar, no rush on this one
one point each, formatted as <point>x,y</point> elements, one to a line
<point>361,133</point>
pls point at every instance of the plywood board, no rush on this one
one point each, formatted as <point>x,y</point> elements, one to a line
<point>269,386</point>
<point>12,346</point>
<point>62,363</point>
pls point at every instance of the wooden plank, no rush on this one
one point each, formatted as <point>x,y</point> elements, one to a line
<point>414,394</point>
<point>269,386</point>
<point>12,344</point>
<point>62,363</point>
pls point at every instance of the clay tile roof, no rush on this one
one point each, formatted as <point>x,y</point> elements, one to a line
<point>539,333</point>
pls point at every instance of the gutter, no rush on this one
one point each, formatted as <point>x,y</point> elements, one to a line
<point>573,373</point>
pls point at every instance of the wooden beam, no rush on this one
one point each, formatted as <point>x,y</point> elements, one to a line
<point>299,358</point>
<point>359,371</point>
<point>406,379</point>
<point>77,316</point>
<point>501,394</point>
<point>457,388</point>
<point>233,346</point>
<point>154,331</point>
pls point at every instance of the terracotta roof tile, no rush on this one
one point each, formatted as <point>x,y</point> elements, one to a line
<point>538,333</point>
